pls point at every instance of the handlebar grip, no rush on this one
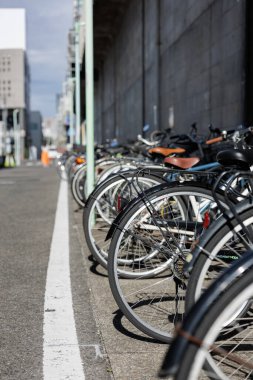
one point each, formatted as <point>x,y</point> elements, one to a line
<point>213,141</point>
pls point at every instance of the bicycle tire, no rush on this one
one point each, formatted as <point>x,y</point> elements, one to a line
<point>78,181</point>
<point>210,330</point>
<point>211,259</point>
<point>95,246</point>
<point>75,186</point>
<point>141,299</point>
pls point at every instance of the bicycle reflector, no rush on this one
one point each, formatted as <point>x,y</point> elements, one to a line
<point>121,203</point>
<point>207,220</point>
<point>80,160</point>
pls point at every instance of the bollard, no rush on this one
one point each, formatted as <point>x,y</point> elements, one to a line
<point>44,157</point>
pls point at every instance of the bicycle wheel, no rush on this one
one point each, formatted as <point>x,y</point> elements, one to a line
<point>103,206</point>
<point>68,165</point>
<point>223,247</point>
<point>157,248</point>
<point>225,352</point>
<point>77,186</point>
<point>78,182</point>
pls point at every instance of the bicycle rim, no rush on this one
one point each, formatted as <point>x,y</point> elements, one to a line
<point>152,297</point>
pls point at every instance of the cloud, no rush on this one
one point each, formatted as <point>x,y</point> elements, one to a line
<point>49,57</point>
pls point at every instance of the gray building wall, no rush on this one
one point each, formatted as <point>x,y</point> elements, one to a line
<point>184,58</point>
<point>14,87</point>
<point>13,78</point>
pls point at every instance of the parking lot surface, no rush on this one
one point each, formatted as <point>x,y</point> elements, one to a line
<point>33,245</point>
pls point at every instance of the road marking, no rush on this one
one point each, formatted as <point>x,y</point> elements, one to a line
<point>62,358</point>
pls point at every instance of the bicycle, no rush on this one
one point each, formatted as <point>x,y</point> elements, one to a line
<point>215,339</point>
<point>164,253</point>
<point>221,245</point>
<point>106,200</point>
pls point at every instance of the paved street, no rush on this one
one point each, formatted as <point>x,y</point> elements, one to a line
<point>45,320</point>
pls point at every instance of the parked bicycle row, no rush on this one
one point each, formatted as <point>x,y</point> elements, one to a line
<point>173,226</point>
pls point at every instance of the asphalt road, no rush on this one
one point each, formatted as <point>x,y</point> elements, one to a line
<point>107,346</point>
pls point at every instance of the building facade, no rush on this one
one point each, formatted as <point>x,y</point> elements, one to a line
<point>170,62</point>
<point>14,75</point>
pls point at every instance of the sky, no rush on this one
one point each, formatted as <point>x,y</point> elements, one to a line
<point>48,22</point>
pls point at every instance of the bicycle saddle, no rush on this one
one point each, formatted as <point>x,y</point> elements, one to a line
<point>241,159</point>
<point>182,162</point>
<point>166,151</point>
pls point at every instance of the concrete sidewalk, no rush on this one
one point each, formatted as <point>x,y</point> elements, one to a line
<point>131,354</point>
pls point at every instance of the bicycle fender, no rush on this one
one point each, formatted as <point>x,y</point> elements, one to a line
<point>215,227</point>
<point>197,313</point>
<point>150,192</point>
<point>129,207</point>
<point>112,176</point>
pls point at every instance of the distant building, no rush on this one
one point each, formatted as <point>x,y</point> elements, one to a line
<point>14,73</point>
<point>35,130</point>
<point>63,133</point>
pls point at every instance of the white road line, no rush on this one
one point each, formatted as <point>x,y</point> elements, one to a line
<point>61,359</point>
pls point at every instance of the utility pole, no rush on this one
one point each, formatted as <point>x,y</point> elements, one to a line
<point>2,131</point>
<point>71,111</point>
<point>4,118</point>
<point>17,138</point>
<point>4,123</point>
<point>89,80</point>
<point>77,72</point>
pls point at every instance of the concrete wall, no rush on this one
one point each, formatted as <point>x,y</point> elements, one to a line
<point>202,64</point>
<point>179,58</point>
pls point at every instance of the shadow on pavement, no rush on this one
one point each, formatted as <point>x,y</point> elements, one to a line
<point>117,322</point>
<point>93,267</point>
